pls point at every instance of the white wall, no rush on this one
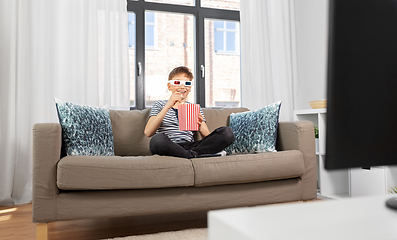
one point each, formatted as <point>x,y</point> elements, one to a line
<point>312,40</point>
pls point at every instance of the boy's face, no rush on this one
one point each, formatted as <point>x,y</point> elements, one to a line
<point>182,89</point>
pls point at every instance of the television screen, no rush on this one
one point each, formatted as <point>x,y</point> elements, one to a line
<point>362,84</point>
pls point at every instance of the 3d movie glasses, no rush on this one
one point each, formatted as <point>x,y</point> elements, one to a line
<point>180,82</point>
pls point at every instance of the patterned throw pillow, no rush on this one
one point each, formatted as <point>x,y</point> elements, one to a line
<point>85,130</point>
<point>255,131</point>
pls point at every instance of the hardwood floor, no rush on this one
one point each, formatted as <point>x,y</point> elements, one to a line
<point>16,224</point>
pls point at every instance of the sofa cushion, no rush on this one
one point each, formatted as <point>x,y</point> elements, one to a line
<point>234,169</point>
<point>255,131</point>
<point>86,130</point>
<point>218,117</point>
<point>103,172</point>
<point>128,127</point>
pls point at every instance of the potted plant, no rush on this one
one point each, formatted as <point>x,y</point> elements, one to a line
<point>315,131</point>
<point>316,138</point>
<point>393,190</point>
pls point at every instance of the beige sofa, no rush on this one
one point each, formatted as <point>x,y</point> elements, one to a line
<point>135,183</point>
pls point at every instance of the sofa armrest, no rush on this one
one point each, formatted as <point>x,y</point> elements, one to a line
<point>47,144</point>
<point>299,135</point>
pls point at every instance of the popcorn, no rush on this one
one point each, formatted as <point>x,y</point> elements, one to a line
<point>188,117</point>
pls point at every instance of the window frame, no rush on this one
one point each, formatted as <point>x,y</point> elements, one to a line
<point>200,14</point>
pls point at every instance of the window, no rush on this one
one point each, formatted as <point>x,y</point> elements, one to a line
<point>131,29</point>
<point>181,2</point>
<point>131,53</point>
<point>226,36</point>
<point>171,33</point>
<point>150,34</point>
<point>175,48</point>
<point>222,61</point>
<point>221,4</point>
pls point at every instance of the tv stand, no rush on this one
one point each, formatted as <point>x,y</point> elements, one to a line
<point>345,183</point>
<point>331,184</point>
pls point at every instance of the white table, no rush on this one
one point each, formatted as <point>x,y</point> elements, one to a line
<point>356,218</point>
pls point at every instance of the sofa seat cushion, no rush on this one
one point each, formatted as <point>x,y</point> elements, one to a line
<point>245,168</point>
<point>101,172</point>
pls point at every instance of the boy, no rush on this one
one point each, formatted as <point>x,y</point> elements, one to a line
<point>163,124</point>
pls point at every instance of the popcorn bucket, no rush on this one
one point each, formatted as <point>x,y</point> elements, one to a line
<point>188,117</point>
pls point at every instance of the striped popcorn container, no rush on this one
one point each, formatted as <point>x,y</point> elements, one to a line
<point>188,117</point>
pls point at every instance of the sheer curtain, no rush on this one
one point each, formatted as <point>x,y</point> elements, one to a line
<point>74,50</point>
<point>268,55</point>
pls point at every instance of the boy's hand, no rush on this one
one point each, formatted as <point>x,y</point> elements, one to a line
<point>200,119</point>
<point>174,98</point>
<point>203,128</point>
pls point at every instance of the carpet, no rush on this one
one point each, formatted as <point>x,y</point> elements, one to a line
<point>188,234</point>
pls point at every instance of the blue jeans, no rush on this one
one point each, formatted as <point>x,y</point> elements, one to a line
<point>215,142</point>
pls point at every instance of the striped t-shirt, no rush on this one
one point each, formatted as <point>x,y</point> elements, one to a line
<point>170,124</point>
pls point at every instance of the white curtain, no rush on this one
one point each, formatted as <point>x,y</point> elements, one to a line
<point>73,50</point>
<point>268,55</point>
